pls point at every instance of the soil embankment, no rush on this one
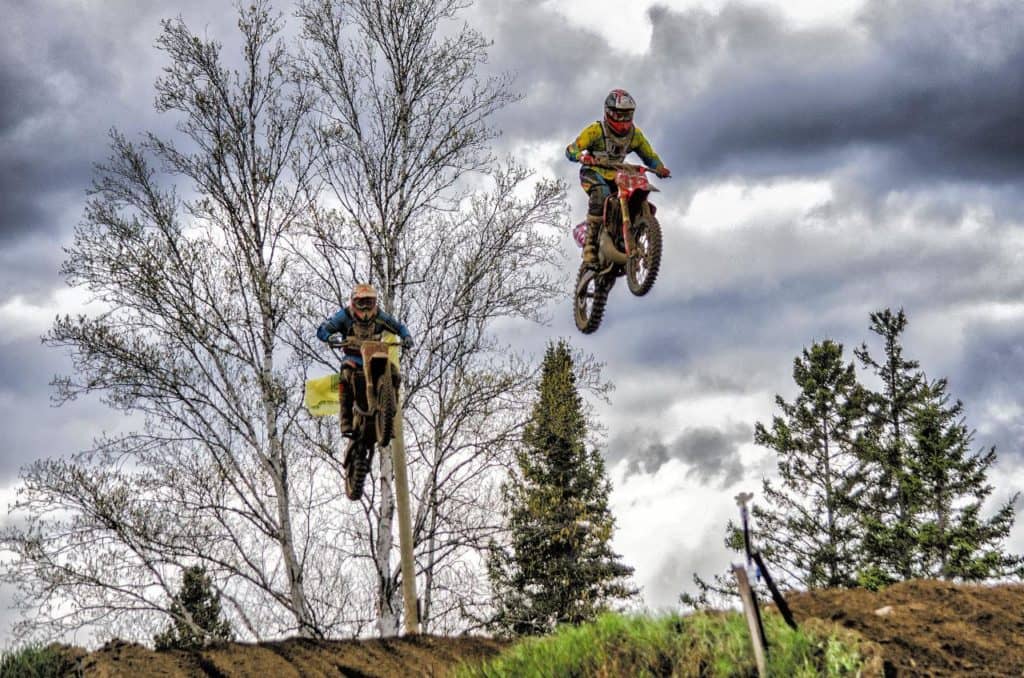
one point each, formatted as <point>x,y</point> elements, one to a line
<point>931,628</point>
<point>292,658</point>
<point>925,628</point>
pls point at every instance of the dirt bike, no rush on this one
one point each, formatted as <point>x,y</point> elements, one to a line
<point>374,406</point>
<point>629,244</point>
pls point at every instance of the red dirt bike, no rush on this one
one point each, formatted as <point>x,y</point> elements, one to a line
<point>374,407</point>
<point>629,244</point>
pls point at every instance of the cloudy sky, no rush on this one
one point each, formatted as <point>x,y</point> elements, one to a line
<point>829,159</point>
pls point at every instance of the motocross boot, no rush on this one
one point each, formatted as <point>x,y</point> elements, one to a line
<point>590,243</point>
<point>347,401</point>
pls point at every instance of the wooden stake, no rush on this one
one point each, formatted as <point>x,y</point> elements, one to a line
<point>753,615</point>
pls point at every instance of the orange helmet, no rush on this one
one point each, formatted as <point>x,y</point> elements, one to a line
<point>363,304</point>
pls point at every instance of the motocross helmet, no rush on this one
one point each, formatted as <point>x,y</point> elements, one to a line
<point>363,303</point>
<point>618,111</point>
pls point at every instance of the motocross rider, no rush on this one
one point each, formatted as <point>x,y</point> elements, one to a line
<point>608,140</point>
<point>362,320</point>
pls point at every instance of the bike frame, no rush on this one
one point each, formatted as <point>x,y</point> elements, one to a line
<point>628,182</point>
<point>380,359</point>
<point>629,179</point>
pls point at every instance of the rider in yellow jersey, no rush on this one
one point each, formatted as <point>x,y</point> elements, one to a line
<point>608,140</point>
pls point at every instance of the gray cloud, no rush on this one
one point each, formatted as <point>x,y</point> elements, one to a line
<point>69,74</point>
<point>712,454</point>
<point>48,78</point>
<point>925,91</point>
<point>987,379</point>
<point>29,267</point>
<point>674,575</point>
<point>34,426</point>
<point>25,368</point>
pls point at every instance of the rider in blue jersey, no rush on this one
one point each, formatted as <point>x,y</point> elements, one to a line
<point>363,320</point>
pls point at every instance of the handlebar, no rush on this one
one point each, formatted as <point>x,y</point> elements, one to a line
<point>352,342</point>
<point>607,164</point>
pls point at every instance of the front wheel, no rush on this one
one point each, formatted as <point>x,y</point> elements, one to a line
<point>591,296</point>
<point>357,465</point>
<point>387,407</point>
<point>642,267</point>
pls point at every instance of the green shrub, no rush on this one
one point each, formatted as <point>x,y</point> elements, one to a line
<point>703,644</point>
<point>196,599</point>
<point>34,661</point>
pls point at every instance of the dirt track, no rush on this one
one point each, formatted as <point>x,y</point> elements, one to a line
<point>931,629</point>
<point>293,658</point>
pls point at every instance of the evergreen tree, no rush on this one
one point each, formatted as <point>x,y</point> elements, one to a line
<point>810,532</point>
<point>558,566</point>
<point>196,614</point>
<point>888,511</point>
<point>922,519</point>
<point>876,487</point>
<point>949,486</point>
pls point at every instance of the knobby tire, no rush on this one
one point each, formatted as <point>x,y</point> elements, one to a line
<point>386,409</point>
<point>357,465</point>
<point>590,298</point>
<point>642,271</point>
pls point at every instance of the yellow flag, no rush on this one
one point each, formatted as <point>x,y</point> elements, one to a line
<point>322,398</point>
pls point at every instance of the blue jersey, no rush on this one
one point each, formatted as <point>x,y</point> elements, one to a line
<point>343,322</point>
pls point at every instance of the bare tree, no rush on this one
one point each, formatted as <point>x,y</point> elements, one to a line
<point>199,296</point>
<point>403,123</point>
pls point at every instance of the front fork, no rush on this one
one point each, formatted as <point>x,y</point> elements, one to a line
<point>371,391</point>
<point>627,227</point>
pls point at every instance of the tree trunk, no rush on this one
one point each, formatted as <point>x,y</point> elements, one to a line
<point>387,604</point>
<point>278,468</point>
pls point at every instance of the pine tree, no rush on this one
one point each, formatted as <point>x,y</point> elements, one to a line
<point>196,614</point>
<point>949,484</point>
<point>923,519</point>
<point>888,511</point>
<point>809,531</point>
<point>558,566</point>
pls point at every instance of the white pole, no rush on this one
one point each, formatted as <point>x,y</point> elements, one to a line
<point>412,622</point>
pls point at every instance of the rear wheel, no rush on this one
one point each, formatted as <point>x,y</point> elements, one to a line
<point>591,296</point>
<point>642,267</point>
<point>387,406</point>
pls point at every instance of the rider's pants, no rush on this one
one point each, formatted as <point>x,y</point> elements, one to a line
<point>598,189</point>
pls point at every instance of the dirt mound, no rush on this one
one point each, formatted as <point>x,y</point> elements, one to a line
<point>298,658</point>
<point>930,627</point>
<point>923,628</point>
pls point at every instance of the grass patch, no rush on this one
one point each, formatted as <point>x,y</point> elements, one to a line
<point>34,661</point>
<point>702,644</point>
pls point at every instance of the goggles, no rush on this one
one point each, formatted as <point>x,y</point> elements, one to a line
<point>365,303</point>
<point>619,114</point>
